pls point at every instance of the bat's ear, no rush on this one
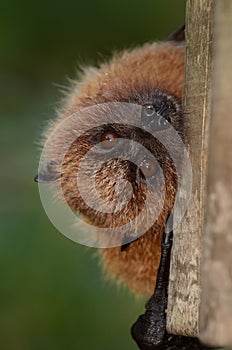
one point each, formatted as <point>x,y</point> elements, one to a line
<point>178,35</point>
<point>48,173</point>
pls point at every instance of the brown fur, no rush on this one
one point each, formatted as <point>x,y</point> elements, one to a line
<point>129,76</point>
<point>132,76</point>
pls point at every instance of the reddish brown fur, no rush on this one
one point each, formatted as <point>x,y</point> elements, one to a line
<point>155,66</point>
<point>129,77</point>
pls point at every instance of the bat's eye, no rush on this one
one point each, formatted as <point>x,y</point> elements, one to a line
<point>109,139</point>
<point>148,167</point>
<point>149,110</point>
<point>152,117</point>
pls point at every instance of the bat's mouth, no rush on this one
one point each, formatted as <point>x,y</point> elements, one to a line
<point>125,245</point>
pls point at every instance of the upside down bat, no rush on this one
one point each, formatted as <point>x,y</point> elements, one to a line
<point>151,77</point>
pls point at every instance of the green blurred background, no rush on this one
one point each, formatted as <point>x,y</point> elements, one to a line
<point>52,293</point>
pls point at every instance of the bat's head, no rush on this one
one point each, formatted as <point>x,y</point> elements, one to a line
<point>124,111</point>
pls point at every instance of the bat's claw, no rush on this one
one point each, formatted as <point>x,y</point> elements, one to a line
<point>149,331</point>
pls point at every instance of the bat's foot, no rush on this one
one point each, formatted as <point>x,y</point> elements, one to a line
<point>149,331</point>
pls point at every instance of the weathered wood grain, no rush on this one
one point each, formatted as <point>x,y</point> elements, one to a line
<point>184,285</point>
<point>216,303</point>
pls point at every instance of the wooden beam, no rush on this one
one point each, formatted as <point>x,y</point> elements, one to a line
<point>216,304</point>
<point>184,285</point>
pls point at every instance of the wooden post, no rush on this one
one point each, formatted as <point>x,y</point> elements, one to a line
<point>216,304</point>
<point>184,285</point>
